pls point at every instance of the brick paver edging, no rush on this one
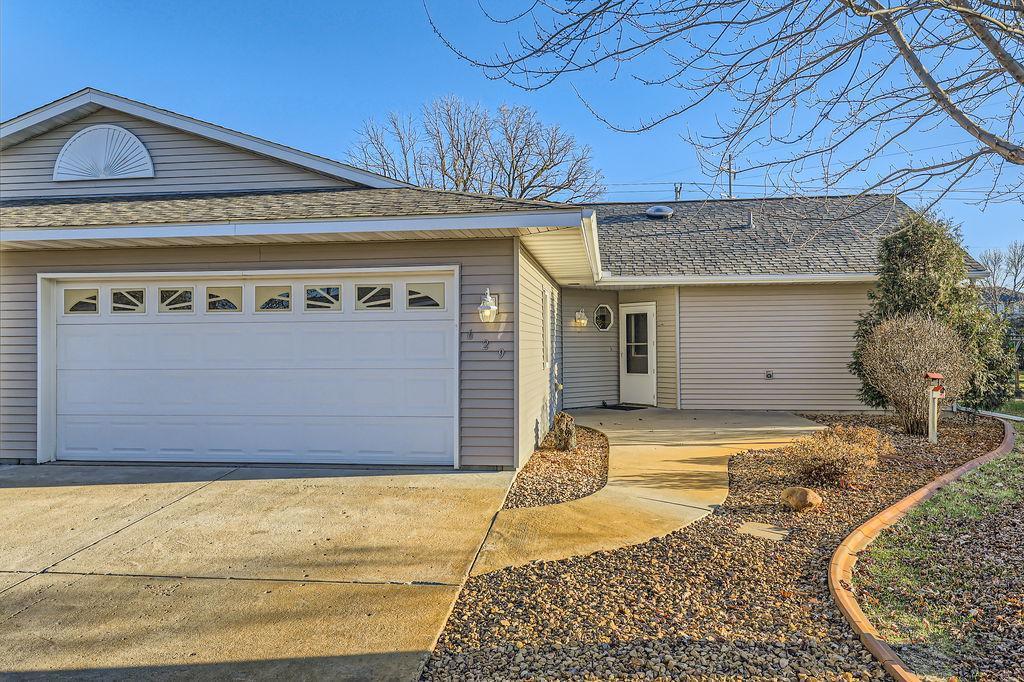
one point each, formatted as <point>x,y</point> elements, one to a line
<point>840,570</point>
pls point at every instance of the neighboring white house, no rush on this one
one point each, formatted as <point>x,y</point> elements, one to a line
<point>172,290</point>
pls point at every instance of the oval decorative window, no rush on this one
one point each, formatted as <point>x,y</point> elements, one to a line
<point>603,318</point>
<point>103,152</point>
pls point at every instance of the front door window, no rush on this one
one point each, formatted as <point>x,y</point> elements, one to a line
<point>636,343</point>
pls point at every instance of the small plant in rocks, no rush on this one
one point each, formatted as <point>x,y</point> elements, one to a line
<point>839,455</point>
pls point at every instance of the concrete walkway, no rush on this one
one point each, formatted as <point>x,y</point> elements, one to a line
<point>170,572</point>
<point>667,468</point>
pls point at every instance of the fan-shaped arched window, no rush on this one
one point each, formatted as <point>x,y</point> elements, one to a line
<point>103,152</point>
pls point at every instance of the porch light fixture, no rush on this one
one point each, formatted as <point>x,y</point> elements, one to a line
<point>581,318</point>
<point>488,308</point>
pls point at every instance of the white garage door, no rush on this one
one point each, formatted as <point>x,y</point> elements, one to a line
<point>309,368</point>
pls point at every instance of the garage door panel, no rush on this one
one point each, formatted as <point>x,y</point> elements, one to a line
<point>346,386</point>
<point>254,346</point>
<point>343,440</point>
<point>363,392</point>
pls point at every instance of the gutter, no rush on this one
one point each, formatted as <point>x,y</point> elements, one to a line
<point>610,280</point>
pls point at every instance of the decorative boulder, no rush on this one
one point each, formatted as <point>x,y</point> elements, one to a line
<point>800,499</point>
<point>565,432</point>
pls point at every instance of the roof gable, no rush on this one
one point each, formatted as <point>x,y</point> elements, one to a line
<point>89,101</point>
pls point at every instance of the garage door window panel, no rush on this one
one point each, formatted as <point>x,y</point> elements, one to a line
<point>373,297</point>
<point>273,298</point>
<point>132,300</point>
<point>323,297</point>
<point>224,299</point>
<point>425,295</point>
<point>81,301</point>
<point>176,300</point>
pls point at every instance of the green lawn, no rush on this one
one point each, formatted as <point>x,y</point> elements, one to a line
<point>930,582</point>
<point>1016,406</point>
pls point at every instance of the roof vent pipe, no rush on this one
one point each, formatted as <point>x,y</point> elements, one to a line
<point>750,220</point>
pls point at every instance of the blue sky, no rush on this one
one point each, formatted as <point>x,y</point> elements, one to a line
<point>308,73</point>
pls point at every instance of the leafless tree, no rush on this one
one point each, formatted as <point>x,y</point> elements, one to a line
<point>820,90</point>
<point>456,145</point>
<point>1005,279</point>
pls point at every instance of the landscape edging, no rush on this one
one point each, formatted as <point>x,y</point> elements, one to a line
<point>840,570</point>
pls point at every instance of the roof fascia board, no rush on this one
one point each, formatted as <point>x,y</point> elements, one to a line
<point>510,221</point>
<point>203,129</point>
<point>682,280</point>
<point>591,242</point>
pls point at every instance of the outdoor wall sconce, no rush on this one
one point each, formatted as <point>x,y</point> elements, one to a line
<point>581,318</point>
<point>488,308</point>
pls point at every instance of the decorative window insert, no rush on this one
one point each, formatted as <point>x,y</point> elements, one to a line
<point>373,297</point>
<point>224,299</point>
<point>603,317</point>
<point>425,295</point>
<point>176,300</point>
<point>128,300</point>
<point>323,297</point>
<point>81,301</point>
<point>276,298</point>
<point>102,152</point>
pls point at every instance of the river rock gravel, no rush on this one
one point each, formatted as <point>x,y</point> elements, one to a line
<point>552,476</point>
<point>703,603</point>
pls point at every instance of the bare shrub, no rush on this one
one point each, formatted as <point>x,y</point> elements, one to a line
<point>898,353</point>
<point>839,455</point>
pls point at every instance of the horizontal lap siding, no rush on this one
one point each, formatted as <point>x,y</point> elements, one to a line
<point>666,349</point>
<point>591,356</point>
<point>181,162</point>
<point>538,394</point>
<point>730,335</point>
<point>486,382</point>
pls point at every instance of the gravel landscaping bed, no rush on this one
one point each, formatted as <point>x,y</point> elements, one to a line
<point>552,476</point>
<point>704,602</point>
<point>945,587</point>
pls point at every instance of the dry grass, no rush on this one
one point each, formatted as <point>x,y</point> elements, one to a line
<point>838,456</point>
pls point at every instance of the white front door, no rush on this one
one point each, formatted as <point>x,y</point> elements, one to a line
<point>638,376</point>
<point>312,367</point>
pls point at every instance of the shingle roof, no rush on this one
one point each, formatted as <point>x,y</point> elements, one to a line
<point>790,236</point>
<point>252,206</point>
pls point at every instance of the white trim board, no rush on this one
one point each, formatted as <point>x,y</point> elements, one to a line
<point>48,304</point>
<point>88,100</point>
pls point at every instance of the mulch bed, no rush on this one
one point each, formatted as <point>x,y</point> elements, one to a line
<point>552,476</point>
<point>945,586</point>
<point>704,602</point>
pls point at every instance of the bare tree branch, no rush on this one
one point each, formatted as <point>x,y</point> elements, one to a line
<point>459,146</point>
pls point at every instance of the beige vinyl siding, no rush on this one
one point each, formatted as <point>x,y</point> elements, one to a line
<point>182,162</point>
<point>486,381</point>
<point>729,336</point>
<point>666,346</point>
<point>591,356</point>
<point>538,395</point>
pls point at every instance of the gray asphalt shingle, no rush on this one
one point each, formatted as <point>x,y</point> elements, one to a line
<point>250,206</point>
<point>793,235</point>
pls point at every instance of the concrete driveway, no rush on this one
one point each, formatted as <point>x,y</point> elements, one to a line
<point>213,572</point>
